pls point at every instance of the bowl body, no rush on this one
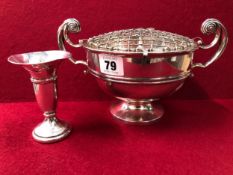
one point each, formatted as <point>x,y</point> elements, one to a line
<point>138,77</point>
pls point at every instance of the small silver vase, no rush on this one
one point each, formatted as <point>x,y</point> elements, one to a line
<point>42,67</point>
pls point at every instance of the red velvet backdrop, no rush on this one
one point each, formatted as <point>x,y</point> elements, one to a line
<point>31,25</point>
<point>193,137</point>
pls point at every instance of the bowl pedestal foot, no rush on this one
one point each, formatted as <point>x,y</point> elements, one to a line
<point>137,112</point>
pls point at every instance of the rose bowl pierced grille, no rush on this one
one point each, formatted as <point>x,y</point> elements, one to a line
<point>140,41</point>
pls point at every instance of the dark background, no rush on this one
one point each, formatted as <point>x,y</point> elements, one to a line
<point>32,26</point>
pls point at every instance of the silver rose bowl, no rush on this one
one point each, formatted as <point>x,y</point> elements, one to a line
<point>140,66</point>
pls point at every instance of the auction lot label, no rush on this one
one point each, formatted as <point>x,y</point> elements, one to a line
<point>111,64</point>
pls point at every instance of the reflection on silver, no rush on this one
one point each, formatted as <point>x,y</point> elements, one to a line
<point>42,67</point>
<point>155,64</point>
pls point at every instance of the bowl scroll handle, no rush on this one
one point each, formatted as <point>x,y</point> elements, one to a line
<point>212,26</point>
<point>70,25</point>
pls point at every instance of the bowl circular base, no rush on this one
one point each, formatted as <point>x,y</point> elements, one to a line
<point>137,112</point>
